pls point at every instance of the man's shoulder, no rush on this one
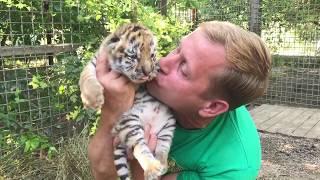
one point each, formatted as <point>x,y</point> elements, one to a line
<point>236,141</point>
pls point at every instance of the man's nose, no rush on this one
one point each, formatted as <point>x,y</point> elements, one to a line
<point>166,64</point>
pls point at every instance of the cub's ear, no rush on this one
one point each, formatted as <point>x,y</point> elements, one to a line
<point>112,41</point>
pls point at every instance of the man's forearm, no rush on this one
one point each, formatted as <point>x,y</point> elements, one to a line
<point>101,149</point>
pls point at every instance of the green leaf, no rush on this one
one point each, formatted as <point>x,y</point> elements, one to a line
<point>61,89</point>
<point>52,150</point>
<point>20,5</point>
<point>74,98</point>
<point>98,17</point>
<point>34,143</point>
<point>27,146</point>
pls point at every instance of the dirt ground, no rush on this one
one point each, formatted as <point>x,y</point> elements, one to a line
<point>286,157</point>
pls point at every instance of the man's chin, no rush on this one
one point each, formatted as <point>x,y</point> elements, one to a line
<point>153,89</point>
<point>151,86</point>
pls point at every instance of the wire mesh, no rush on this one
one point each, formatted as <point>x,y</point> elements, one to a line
<point>291,30</point>
<point>35,37</point>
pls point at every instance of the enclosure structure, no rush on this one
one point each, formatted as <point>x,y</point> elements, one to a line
<point>44,44</point>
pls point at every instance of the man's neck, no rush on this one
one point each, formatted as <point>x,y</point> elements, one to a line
<point>192,122</point>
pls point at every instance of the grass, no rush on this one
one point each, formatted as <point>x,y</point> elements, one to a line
<point>70,162</point>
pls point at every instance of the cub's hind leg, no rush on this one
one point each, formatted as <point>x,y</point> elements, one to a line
<point>165,137</point>
<point>121,162</point>
<point>131,133</point>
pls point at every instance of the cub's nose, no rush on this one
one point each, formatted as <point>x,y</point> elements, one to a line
<point>146,69</point>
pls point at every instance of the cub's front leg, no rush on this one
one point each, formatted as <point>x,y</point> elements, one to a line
<point>91,89</point>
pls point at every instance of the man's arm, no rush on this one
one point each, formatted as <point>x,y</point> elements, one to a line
<point>119,94</point>
<point>100,149</point>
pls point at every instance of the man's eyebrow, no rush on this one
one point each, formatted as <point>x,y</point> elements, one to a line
<point>178,43</point>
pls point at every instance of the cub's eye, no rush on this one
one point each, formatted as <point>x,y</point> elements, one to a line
<point>133,56</point>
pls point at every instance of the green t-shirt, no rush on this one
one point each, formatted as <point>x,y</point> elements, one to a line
<point>228,148</point>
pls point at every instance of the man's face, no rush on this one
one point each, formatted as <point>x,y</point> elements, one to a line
<point>184,75</point>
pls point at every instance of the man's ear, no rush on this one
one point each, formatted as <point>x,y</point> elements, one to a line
<point>213,108</point>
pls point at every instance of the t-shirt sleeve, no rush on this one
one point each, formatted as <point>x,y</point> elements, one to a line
<point>246,174</point>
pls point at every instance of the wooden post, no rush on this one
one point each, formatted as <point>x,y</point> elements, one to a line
<point>194,17</point>
<point>163,7</point>
<point>255,17</point>
<point>134,11</point>
<point>46,4</point>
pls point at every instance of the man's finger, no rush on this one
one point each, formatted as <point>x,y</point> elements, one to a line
<point>102,65</point>
<point>116,141</point>
<point>130,153</point>
<point>113,75</point>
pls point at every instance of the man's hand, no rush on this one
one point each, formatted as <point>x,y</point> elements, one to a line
<point>118,90</point>
<point>119,95</point>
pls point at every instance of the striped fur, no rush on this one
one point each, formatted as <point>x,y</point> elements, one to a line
<point>131,50</point>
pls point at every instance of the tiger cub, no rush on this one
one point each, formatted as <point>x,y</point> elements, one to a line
<point>132,49</point>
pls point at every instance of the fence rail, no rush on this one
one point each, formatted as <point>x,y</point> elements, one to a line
<point>36,50</point>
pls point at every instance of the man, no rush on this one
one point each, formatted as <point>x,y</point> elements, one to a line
<point>206,81</point>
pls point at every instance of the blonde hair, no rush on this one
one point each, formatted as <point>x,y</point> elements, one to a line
<point>248,63</point>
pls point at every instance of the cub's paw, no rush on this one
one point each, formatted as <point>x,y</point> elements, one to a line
<point>163,158</point>
<point>92,95</point>
<point>153,170</point>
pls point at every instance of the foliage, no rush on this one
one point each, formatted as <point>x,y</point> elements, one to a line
<point>234,11</point>
<point>296,19</point>
<point>167,30</point>
<point>299,15</point>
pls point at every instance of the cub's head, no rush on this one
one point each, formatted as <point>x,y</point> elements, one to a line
<point>132,52</point>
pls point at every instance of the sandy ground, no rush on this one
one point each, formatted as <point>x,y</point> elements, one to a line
<point>286,157</point>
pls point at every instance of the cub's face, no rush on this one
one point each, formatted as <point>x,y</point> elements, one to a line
<point>133,53</point>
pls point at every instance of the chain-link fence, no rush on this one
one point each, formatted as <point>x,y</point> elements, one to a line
<point>39,39</point>
<point>291,29</point>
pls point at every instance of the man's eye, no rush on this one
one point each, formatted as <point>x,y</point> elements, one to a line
<point>183,68</point>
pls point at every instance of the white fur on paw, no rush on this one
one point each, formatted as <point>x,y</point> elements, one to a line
<point>163,158</point>
<point>153,170</point>
<point>92,95</point>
